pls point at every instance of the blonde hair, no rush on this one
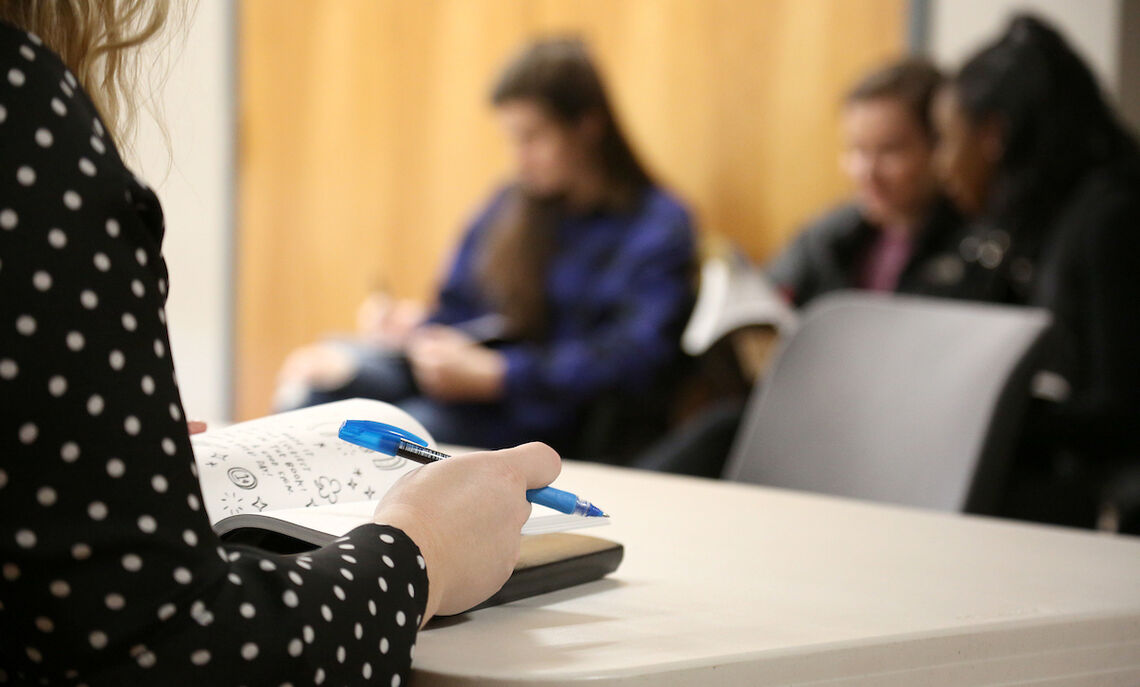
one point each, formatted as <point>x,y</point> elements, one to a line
<point>98,41</point>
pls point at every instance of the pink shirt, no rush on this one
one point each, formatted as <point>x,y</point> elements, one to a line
<point>885,260</point>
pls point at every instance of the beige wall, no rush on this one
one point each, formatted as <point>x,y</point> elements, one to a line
<point>959,27</point>
<point>1106,33</point>
<point>193,174</point>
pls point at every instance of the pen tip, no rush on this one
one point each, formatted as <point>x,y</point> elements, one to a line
<point>605,515</point>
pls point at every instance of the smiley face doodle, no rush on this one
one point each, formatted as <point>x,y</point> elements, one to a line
<point>242,478</point>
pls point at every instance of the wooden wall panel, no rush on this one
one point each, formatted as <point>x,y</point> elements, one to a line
<point>366,140</point>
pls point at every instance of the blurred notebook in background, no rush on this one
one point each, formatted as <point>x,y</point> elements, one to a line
<point>734,294</point>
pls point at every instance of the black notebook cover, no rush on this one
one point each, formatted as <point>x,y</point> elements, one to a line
<point>547,562</point>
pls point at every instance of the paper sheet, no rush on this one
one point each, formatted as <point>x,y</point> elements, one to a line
<point>294,467</point>
<point>296,460</point>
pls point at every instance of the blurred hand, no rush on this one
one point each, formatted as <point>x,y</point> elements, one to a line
<point>196,426</point>
<point>383,320</point>
<point>449,366</point>
<point>318,366</point>
<point>466,515</point>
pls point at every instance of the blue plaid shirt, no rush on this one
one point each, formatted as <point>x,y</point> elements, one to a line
<point>619,290</point>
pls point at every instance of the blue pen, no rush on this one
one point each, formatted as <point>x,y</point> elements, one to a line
<point>394,441</point>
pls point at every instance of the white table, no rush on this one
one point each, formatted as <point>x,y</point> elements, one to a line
<point>735,584</point>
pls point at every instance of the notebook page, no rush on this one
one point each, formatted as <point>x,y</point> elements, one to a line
<point>296,460</point>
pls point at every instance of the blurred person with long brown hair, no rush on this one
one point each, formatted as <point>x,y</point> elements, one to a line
<point>572,283</point>
<point>109,571</point>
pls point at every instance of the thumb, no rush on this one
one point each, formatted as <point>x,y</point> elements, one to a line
<point>536,462</point>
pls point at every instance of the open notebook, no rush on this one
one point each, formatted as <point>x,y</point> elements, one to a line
<point>291,475</point>
<point>288,484</point>
<point>734,294</point>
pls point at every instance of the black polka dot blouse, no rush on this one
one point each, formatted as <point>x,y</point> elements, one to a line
<point>111,574</point>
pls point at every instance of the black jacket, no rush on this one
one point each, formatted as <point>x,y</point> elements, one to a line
<point>1084,267</point>
<point>829,253</point>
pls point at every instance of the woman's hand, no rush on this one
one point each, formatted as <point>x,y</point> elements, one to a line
<point>449,366</point>
<point>318,366</point>
<point>466,515</point>
<point>383,320</point>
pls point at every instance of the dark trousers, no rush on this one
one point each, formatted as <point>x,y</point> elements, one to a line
<point>698,447</point>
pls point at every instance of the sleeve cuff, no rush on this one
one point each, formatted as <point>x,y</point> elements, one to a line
<point>398,560</point>
<point>522,367</point>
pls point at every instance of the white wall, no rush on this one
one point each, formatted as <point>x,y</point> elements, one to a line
<point>959,27</point>
<point>194,177</point>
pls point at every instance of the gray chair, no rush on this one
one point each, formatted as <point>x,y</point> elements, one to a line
<point>898,399</point>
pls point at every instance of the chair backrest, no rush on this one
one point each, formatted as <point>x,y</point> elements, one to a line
<point>898,399</point>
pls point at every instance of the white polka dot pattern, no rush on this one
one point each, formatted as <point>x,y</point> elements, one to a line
<point>103,537</point>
